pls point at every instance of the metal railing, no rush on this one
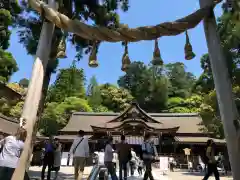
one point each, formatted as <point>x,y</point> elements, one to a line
<point>98,171</point>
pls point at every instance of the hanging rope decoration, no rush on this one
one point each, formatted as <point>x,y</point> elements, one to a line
<point>61,49</point>
<point>125,59</point>
<point>93,56</point>
<point>124,33</point>
<point>189,54</point>
<point>157,59</point>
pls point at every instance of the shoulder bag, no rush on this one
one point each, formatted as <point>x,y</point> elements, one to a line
<point>147,155</point>
<point>77,145</point>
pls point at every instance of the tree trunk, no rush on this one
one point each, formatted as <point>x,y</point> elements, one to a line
<point>227,105</point>
<point>34,93</point>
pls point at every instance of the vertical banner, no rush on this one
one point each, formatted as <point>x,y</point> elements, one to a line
<point>164,164</point>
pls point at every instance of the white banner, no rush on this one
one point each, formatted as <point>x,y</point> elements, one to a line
<point>164,164</point>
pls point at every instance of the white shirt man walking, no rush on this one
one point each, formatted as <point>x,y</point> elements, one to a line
<point>80,151</point>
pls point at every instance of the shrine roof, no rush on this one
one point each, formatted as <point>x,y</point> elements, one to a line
<point>182,123</point>
<point>187,122</point>
<point>8,125</point>
<point>9,93</point>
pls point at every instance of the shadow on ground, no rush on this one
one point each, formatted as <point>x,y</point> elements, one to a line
<point>36,175</point>
<point>200,174</point>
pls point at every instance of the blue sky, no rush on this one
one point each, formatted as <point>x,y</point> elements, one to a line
<point>110,54</point>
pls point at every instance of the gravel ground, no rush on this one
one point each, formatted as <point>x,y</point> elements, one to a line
<point>66,173</point>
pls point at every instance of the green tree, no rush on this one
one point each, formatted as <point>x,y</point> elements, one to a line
<point>56,115</point>
<point>24,83</point>
<point>5,108</point>
<point>103,14</point>
<point>94,96</point>
<point>16,110</point>
<point>188,105</point>
<point>205,82</point>
<point>115,99</point>
<point>69,82</point>
<point>145,84</point>
<point>8,66</point>
<point>180,80</point>
<point>9,11</point>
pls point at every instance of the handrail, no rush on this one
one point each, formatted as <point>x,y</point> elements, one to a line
<point>95,171</point>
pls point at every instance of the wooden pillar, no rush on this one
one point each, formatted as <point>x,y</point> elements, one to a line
<point>227,106</point>
<point>34,93</point>
<point>160,142</point>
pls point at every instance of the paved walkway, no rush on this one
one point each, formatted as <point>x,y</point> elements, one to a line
<point>66,173</point>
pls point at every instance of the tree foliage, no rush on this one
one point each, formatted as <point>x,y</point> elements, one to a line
<point>148,82</point>
<point>24,83</point>
<point>56,115</point>
<point>69,82</point>
<point>9,11</point>
<point>94,96</point>
<point>114,98</point>
<point>8,66</point>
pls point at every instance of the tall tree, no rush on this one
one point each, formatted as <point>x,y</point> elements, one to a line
<point>114,98</point>
<point>145,84</point>
<point>100,13</point>
<point>94,93</point>
<point>229,31</point>
<point>94,96</point>
<point>69,82</point>
<point>8,66</point>
<point>24,83</point>
<point>9,10</point>
<point>181,81</point>
<point>56,115</point>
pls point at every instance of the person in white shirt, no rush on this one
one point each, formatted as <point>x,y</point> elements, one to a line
<point>133,161</point>
<point>108,159</point>
<point>80,151</point>
<point>10,154</point>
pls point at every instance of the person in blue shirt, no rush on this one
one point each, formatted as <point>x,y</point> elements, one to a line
<point>149,154</point>
<point>48,159</point>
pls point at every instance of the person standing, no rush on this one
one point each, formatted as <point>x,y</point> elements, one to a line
<point>124,155</point>
<point>57,157</point>
<point>108,159</point>
<point>133,161</point>
<point>149,154</point>
<point>12,147</point>
<point>212,164</point>
<point>80,151</point>
<point>48,158</point>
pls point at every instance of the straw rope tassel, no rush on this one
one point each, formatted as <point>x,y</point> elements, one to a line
<point>93,57</point>
<point>125,59</point>
<point>157,59</point>
<point>189,54</point>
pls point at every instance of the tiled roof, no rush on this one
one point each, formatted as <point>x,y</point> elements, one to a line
<point>200,140</point>
<point>188,123</point>
<point>7,125</point>
<point>8,93</point>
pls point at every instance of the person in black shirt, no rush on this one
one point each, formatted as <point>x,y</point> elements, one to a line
<point>211,164</point>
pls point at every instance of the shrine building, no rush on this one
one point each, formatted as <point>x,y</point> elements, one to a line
<point>171,132</point>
